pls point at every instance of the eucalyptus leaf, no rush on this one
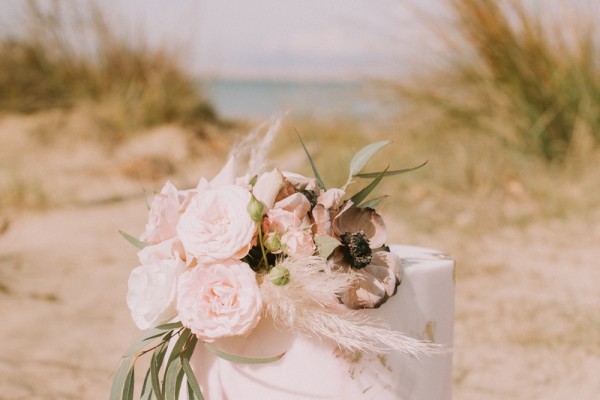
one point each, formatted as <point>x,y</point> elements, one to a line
<point>390,173</point>
<point>179,344</point>
<point>362,157</point>
<point>172,375</point>
<point>155,364</point>
<point>192,394</point>
<point>170,326</point>
<point>312,165</point>
<point>178,383</point>
<point>143,341</point>
<point>129,385</point>
<point>326,244</point>
<point>366,191</point>
<point>116,391</point>
<point>146,392</point>
<point>191,378</point>
<point>133,240</point>
<point>173,359</point>
<point>241,359</point>
<point>373,203</point>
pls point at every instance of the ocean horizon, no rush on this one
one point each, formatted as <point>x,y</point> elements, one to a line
<point>251,98</point>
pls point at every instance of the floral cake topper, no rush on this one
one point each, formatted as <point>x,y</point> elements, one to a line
<point>269,244</point>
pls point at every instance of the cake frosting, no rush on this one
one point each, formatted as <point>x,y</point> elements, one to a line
<point>314,368</point>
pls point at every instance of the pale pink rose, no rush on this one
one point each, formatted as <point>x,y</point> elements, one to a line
<point>225,177</point>
<point>216,224</point>
<point>163,216</point>
<point>331,198</point>
<point>280,221</point>
<point>299,181</point>
<point>152,286</point>
<point>267,186</point>
<point>298,243</point>
<point>297,202</point>
<point>322,218</point>
<point>219,300</point>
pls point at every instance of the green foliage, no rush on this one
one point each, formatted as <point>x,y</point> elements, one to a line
<point>66,55</point>
<point>516,75</point>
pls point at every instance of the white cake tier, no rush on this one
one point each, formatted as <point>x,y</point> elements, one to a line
<point>312,368</point>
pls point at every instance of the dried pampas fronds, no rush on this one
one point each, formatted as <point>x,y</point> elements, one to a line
<point>255,146</point>
<point>307,304</point>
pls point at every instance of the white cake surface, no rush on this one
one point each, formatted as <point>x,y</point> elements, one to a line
<point>313,368</point>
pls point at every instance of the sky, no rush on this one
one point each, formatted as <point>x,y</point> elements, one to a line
<point>272,38</point>
<point>278,38</point>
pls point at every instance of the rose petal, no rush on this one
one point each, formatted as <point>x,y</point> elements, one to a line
<point>267,186</point>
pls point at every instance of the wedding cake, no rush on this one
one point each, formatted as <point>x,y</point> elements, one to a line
<point>272,285</point>
<point>315,369</point>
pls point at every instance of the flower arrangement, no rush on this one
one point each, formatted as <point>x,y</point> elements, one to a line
<point>217,258</point>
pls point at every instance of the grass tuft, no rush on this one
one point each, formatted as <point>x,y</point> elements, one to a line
<point>66,55</point>
<point>518,74</point>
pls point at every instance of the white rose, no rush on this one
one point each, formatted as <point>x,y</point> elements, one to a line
<point>216,224</point>
<point>219,300</point>
<point>152,290</point>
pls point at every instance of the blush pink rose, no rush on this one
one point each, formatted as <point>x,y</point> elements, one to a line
<point>298,243</point>
<point>216,224</point>
<point>280,221</point>
<point>163,216</point>
<point>219,300</point>
<point>331,198</point>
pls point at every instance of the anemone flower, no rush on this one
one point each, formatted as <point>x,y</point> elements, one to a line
<point>363,253</point>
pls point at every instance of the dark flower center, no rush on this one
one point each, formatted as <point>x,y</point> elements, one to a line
<point>311,195</point>
<point>357,250</point>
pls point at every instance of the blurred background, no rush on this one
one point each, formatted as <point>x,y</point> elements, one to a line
<point>101,102</point>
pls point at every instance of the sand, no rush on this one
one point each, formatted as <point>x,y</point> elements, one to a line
<point>527,298</point>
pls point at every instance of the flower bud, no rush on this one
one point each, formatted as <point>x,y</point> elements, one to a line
<point>255,209</point>
<point>279,275</point>
<point>273,242</point>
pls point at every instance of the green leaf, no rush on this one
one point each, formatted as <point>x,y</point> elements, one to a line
<point>116,391</point>
<point>134,241</point>
<point>390,173</point>
<point>146,393</point>
<point>312,165</point>
<point>241,359</point>
<point>172,375</point>
<point>184,335</point>
<point>362,157</point>
<point>147,337</point>
<point>326,244</point>
<point>366,191</point>
<point>178,383</point>
<point>155,364</point>
<point>191,378</point>
<point>170,326</point>
<point>181,341</point>
<point>129,385</point>
<point>186,355</point>
<point>373,203</point>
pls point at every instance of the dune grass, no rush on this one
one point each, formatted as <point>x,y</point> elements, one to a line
<point>67,55</point>
<point>524,76</point>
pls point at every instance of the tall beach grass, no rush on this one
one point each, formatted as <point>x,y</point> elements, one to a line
<point>519,72</point>
<point>66,55</point>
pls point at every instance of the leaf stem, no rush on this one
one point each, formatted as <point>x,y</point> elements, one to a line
<point>262,245</point>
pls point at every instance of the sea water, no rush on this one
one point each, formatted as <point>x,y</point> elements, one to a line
<point>320,100</point>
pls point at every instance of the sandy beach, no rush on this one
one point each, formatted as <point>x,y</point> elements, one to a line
<point>527,319</point>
